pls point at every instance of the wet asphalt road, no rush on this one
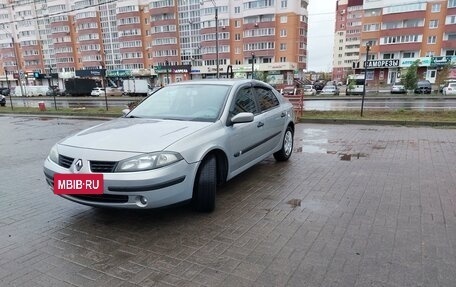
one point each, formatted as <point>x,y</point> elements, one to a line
<point>355,206</point>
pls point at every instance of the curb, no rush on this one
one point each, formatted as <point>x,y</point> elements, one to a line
<point>379,122</point>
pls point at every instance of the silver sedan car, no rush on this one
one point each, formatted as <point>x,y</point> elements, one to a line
<point>177,145</point>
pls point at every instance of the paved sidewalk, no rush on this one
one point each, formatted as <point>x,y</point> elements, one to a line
<point>355,206</point>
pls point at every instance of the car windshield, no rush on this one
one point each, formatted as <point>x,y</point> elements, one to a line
<point>184,102</point>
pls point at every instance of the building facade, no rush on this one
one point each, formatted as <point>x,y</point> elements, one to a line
<point>164,40</point>
<point>400,32</point>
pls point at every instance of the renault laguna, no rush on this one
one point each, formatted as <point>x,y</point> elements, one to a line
<point>177,145</point>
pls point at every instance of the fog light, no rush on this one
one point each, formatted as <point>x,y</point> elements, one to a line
<point>143,200</point>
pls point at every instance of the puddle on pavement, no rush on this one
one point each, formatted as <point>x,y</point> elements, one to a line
<point>350,156</point>
<point>369,129</point>
<point>311,149</point>
<point>378,147</point>
<point>312,140</point>
<point>294,202</point>
<point>345,156</point>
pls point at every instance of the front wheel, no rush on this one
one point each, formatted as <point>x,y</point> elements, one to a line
<point>205,186</point>
<point>287,146</point>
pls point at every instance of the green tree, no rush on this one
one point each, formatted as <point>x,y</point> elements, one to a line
<point>261,76</point>
<point>442,74</point>
<point>410,78</point>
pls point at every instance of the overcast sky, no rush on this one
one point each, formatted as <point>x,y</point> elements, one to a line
<point>320,35</point>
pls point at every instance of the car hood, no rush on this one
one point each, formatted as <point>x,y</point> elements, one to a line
<point>134,135</point>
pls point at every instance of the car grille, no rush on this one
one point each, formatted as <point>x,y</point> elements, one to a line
<point>109,198</point>
<point>102,166</point>
<point>65,161</point>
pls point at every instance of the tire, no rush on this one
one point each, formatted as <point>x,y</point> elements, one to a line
<point>205,187</point>
<point>287,146</point>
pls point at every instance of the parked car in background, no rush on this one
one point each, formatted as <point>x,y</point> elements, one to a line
<point>289,91</point>
<point>100,92</point>
<point>54,91</point>
<point>2,100</point>
<point>318,86</point>
<point>5,91</point>
<point>309,90</point>
<point>330,90</point>
<point>423,87</point>
<point>398,89</point>
<point>177,145</point>
<point>449,89</point>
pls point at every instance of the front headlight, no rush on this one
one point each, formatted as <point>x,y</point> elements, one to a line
<point>54,154</point>
<point>148,161</point>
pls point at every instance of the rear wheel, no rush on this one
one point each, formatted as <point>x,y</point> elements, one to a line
<point>205,186</point>
<point>287,146</point>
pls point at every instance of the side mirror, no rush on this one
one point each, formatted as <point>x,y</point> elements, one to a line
<point>242,118</point>
<point>125,112</point>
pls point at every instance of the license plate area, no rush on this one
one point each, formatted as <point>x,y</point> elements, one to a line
<point>78,183</point>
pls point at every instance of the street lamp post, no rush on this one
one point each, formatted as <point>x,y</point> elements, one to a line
<point>216,38</point>
<point>9,89</point>
<point>253,64</point>
<point>17,65</point>
<point>167,72</point>
<point>368,46</point>
<point>103,76</point>
<point>50,86</point>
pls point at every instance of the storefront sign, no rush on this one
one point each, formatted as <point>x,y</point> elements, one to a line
<point>176,69</point>
<point>118,73</point>
<point>382,63</point>
<point>440,61</point>
<point>140,72</point>
<point>90,73</point>
<point>422,62</point>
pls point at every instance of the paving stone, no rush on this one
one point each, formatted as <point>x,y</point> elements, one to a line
<point>386,217</point>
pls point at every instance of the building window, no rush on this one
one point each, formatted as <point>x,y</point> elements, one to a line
<point>433,23</point>
<point>237,9</point>
<point>284,3</point>
<point>430,54</point>
<point>451,3</point>
<point>408,55</point>
<point>283,33</point>
<point>284,19</point>
<point>451,36</point>
<point>371,27</point>
<point>283,47</point>
<point>432,39</point>
<point>283,59</point>
<point>450,19</point>
<point>237,24</point>
<point>237,37</point>
<point>435,8</point>
<point>388,56</point>
<point>450,53</point>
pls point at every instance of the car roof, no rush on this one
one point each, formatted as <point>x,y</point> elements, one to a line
<point>224,82</point>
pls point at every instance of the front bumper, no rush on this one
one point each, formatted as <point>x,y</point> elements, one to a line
<point>136,190</point>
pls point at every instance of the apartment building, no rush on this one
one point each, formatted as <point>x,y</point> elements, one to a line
<point>169,40</point>
<point>400,32</point>
<point>347,37</point>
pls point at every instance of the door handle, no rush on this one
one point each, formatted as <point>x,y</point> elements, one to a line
<point>283,114</point>
<point>260,124</point>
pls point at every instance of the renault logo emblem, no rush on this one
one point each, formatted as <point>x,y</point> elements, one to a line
<point>78,164</point>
